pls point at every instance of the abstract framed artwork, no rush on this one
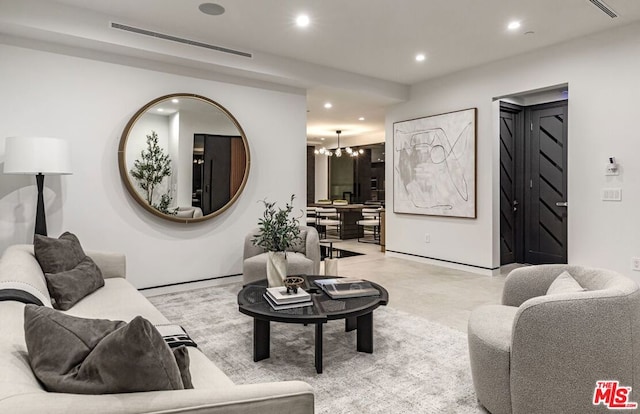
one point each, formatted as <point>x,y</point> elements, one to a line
<point>434,165</point>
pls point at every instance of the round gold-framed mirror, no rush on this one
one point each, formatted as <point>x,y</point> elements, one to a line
<point>184,157</point>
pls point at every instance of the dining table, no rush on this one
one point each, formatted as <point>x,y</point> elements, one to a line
<point>349,214</point>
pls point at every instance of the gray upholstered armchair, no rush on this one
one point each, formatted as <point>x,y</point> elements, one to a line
<point>304,259</point>
<point>544,353</point>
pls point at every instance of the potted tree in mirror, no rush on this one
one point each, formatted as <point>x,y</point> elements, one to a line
<point>150,170</point>
<point>279,231</point>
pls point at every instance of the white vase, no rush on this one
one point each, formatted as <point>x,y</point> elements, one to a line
<point>276,268</point>
<point>330,267</point>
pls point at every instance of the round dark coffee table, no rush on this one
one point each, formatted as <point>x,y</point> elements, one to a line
<point>357,313</point>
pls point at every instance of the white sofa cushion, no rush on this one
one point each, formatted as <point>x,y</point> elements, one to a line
<point>118,300</point>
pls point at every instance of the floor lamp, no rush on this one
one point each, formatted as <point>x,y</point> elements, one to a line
<point>40,156</point>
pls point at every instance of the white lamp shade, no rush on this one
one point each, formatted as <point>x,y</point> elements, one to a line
<point>34,155</point>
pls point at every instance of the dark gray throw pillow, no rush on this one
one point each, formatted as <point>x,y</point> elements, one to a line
<point>95,356</point>
<point>68,287</point>
<point>70,273</point>
<point>58,255</point>
<point>181,354</point>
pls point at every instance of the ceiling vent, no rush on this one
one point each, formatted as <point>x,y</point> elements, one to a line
<point>605,8</point>
<point>179,40</point>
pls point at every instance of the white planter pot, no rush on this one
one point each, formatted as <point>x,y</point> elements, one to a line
<point>331,267</point>
<point>276,268</point>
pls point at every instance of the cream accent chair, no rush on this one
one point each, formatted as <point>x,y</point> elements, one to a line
<point>189,212</point>
<point>544,353</point>
<point>304,259</point>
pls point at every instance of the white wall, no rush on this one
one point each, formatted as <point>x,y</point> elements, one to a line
<point>602,76</point>
<point>89,103</point>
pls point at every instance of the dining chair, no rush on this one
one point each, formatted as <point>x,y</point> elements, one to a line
<point>370,220</point>
<point>311,216</point>
<point>327,217</point>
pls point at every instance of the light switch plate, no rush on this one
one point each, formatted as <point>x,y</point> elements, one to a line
<point>612,194</point>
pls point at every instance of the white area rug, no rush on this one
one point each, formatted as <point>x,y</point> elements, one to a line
<point>417,366</point>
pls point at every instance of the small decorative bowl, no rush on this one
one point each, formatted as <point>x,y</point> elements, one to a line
<point>292,283</point>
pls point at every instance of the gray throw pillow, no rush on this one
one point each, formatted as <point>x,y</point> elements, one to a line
<point>181,354</point>
<point>564,283</point>
<point>70,273</point>
<point>69,287</point>
<point>58,255</point>
<point>95,356</point>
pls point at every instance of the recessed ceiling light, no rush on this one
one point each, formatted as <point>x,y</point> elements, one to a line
<point>160,110</point>
<point>212,9</point>
<point>328,105</point>
<point>175,101</point>
<point>420,57</point>
<point>513,25</point>
<point>302,20</point>
<point>361,118</point>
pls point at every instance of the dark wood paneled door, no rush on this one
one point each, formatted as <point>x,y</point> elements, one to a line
<point>222,170</point>
<point>546,175</point>
<point>533,183</point>
<point>511,164</point>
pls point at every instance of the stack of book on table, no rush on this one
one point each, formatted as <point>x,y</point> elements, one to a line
<point>279,299</point>
<point>340,288</point>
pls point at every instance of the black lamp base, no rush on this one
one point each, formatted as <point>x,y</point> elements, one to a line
<point>41,222</point>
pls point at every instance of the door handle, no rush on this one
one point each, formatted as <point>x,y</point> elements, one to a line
<point>562,204</point>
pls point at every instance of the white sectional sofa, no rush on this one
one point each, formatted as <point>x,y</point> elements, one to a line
<point>214,392</point>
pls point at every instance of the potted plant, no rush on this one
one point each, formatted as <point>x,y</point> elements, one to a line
<point>150,170</point>
<point>279,231</point>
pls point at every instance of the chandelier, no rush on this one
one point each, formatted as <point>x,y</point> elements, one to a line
<point>338,151</point>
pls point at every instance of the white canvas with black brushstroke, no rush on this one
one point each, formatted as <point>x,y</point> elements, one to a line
<point>434,165</point>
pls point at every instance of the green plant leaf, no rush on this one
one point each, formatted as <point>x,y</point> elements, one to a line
<point>278,229</point>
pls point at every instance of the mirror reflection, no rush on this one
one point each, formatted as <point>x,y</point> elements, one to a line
<point>184,157</point>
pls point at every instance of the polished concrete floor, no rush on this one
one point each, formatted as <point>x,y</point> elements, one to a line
<point>437,293</point>
<point>440,294</point>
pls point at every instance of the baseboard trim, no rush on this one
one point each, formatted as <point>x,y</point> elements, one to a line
<point>482,270</point>
<point>208,279</point>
